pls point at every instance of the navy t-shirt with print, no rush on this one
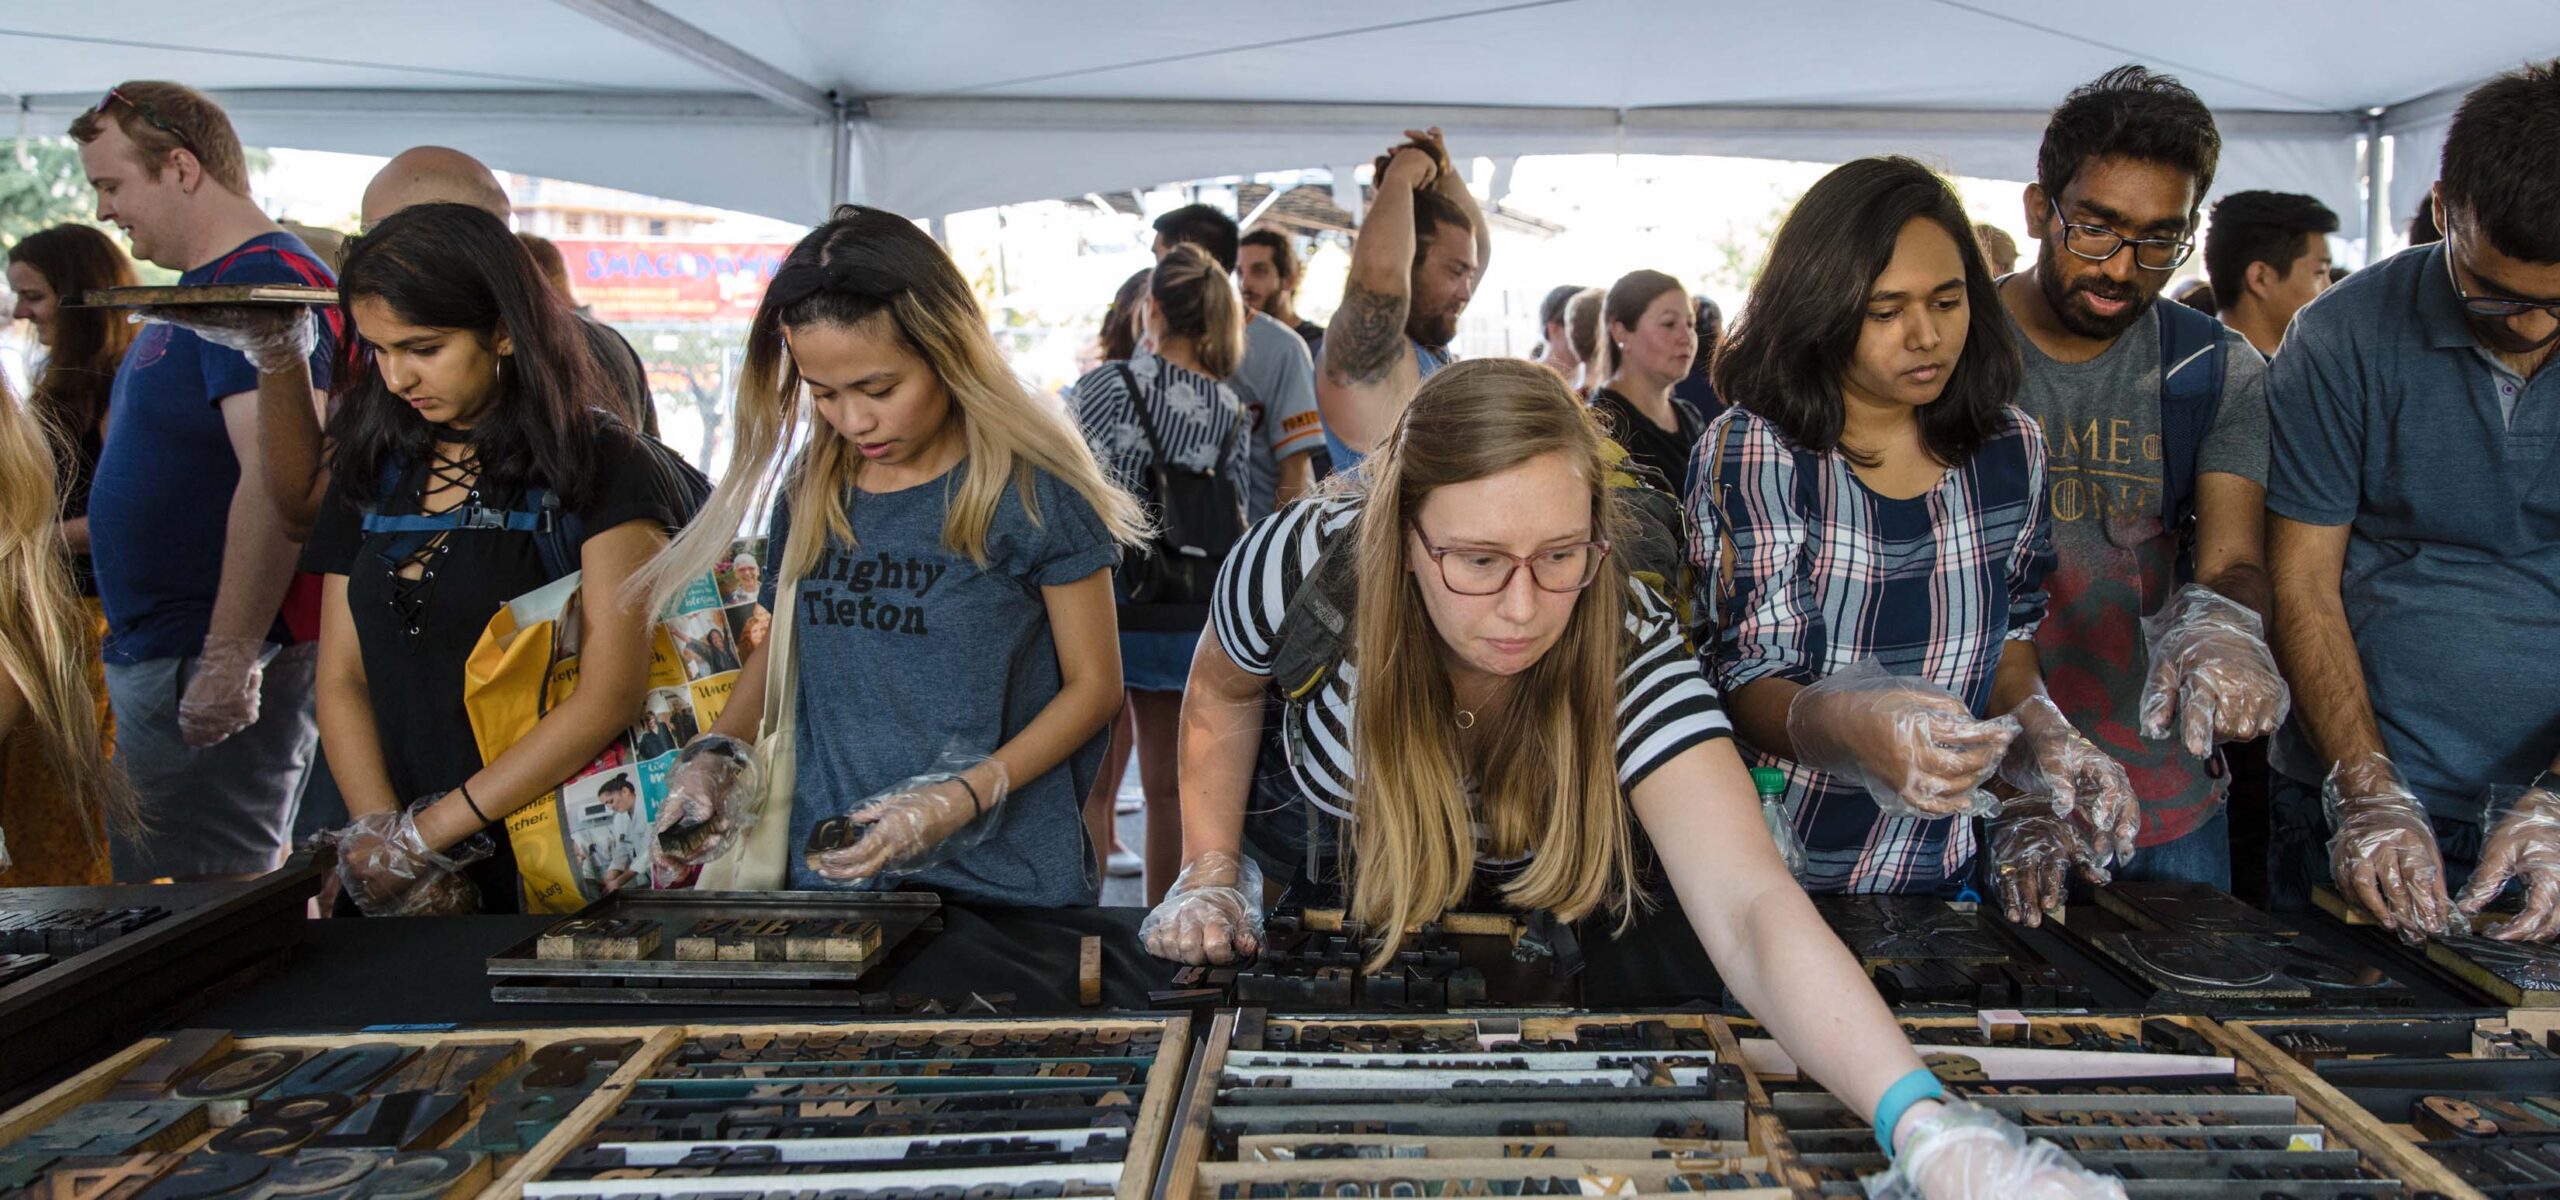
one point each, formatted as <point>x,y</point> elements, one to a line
<point>161,501</point>
<point>908,649</point>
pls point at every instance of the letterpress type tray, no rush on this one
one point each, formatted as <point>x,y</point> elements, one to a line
<point>207,293</point>
<point>519,973</point>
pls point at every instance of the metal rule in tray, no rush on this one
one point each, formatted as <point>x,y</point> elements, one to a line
<point>673,914</point>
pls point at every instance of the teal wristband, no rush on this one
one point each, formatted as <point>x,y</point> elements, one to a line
<point>1909,1090</point>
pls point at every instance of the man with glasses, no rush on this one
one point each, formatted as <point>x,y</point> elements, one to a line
<point>2415,535</point>
<point>2155,421</point>
<point>210,680</point>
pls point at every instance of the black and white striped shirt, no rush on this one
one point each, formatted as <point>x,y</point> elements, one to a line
<point>1190,413</point>
<point>1665,704</point>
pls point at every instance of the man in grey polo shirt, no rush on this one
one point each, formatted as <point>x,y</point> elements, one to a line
<point>2414,532</point>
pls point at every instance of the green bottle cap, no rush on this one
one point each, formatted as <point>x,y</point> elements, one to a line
<point>1770,780</point>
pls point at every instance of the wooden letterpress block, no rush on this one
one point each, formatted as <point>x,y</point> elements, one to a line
<point>101,1178</point>
<point>212,1177</point>
<point>832,941</point>
<point>1089,972</point>
<point>429,1175</point>
<point>621,938</point>
<point>240,1075</point>
<point>344,1070</point>
<point>274,1128</point>
<point>118,1127</point>
<point>469,1069</point>
<point>2449,1119</point>
<point>184,1052</point>
<point>399,1121</point>
<point>700,943</point>
<point>561,940</point>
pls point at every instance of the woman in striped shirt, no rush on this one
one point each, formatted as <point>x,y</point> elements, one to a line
<point>1507,698</point>
<point>1871,518</point>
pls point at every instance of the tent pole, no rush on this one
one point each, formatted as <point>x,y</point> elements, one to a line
<point>839,153</point>
<point>2377,192</point>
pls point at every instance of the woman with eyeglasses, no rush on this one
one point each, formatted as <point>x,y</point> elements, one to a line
<point>1871,518</point>
<point>1507,708</point>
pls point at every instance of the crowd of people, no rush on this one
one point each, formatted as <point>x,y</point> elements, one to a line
<point>2014,578</point>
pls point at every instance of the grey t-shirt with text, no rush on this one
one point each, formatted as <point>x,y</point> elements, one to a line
<point>2116,558</point>
<point>907,649</point>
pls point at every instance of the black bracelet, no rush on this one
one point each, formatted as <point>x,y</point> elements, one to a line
<point>465,789</point>
<point>974,801</point>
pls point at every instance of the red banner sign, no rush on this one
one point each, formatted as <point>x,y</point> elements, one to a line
<point>672,281</point>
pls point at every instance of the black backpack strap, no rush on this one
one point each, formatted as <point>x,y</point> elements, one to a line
<point>1317,623</point>
<point>2192,360</point>
<point>1138,403</point>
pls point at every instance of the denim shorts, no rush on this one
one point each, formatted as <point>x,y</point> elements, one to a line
<point>1156,662</point>
<point>227,809</point>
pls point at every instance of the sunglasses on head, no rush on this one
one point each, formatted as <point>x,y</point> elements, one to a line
<point>150,117</point>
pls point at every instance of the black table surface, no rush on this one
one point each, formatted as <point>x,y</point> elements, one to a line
<point>349,974</point>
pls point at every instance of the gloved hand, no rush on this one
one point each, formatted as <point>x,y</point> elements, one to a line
<point>1963,1151</point>
<point>1213,914</point>
<point>714,794</point>
<point>2525,843</point>
<point>2051,759</point>
<point>2211,672</point>
<point>222,696</point>
<point>2382,849</point>
<point>1914,745</point>
<point>385,866</point>
<point>276,338</point>
<point>2034,852</point>
<point>920,823</point>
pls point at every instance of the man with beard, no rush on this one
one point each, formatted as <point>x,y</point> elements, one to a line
<point>2414,526</point>
<point>1268,273</point>
<point>2155,418</point>
<point>1421,251</point>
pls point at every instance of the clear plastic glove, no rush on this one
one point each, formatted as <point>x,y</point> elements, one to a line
<point>276,338</point>
<point>2382,849</point>
<point>714,794</point>
<point>1917,748</point>
<point>385,866</point>
<point>222,696</point>
<point>1963,1151</point>
<point>2033,854</point>
<point>1213,914</point>
<point>2523,844</point>
<point>2051,759</point>
<point>921,823</point>
<point>2211,672</point>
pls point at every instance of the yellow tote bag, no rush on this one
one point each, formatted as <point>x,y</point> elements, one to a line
<point>595,833</point>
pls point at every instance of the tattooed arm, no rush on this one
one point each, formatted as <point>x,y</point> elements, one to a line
<point>1369,370</point>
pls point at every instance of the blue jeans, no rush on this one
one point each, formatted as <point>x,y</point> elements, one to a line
<point>2202,856</point>
<point>2298,845</point>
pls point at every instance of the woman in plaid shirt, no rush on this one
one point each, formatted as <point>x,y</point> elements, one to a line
<point>1871,518</point>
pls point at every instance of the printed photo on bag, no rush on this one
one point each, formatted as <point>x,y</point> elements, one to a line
<point>609,828</point>
<point>703,641</point>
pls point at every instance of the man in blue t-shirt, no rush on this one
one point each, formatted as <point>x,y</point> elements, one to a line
<point>1422,249</point>
<point>211,690</point>
<point>2414,524</point>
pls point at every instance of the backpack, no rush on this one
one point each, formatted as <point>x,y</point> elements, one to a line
<point>2191,372</point>
<point>1655,550</point>
<point>558,534</point>
<point>1200,516</point>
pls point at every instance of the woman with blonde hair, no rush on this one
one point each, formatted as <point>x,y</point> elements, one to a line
<point>1169,407</point>
<point>1506,700</point>
<point>946,544</point>
<point>57,834</point>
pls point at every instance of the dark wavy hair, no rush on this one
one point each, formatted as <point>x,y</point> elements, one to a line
<point>1798,332</point>
<point>2501,170</point>
<point>88,343</point>
<point>2133,113</point>
<point>454,266</point>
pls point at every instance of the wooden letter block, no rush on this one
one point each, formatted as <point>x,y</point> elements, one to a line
<point>211,1177</point>
<point>831,941</point>
<point>101,1178</point>
<point>118,1127</point>
<point>1089,972</point>
<point>468,1069</point>
<point>561,940</point>
<point>239,1076</point>
<point>344,1071</point>
<point>275,1128</point>
<point>399,1121</point>
<point>183,1053</point>
<point>701,943</point>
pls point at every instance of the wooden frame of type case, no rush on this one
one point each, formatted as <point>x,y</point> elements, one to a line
<point>1191,1175</point>
<point>506,1177</point>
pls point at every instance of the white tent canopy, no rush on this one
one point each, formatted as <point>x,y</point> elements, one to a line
<point>780,106</point>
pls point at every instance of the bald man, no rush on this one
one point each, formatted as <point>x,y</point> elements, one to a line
<point>433,175</point>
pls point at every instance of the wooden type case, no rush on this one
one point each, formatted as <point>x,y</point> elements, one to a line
<point>201,1115</point>
<point>1369,1119</point>
<point>2002,1063</point>
<point>2380,1073</point>
<point>745,1104</point>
